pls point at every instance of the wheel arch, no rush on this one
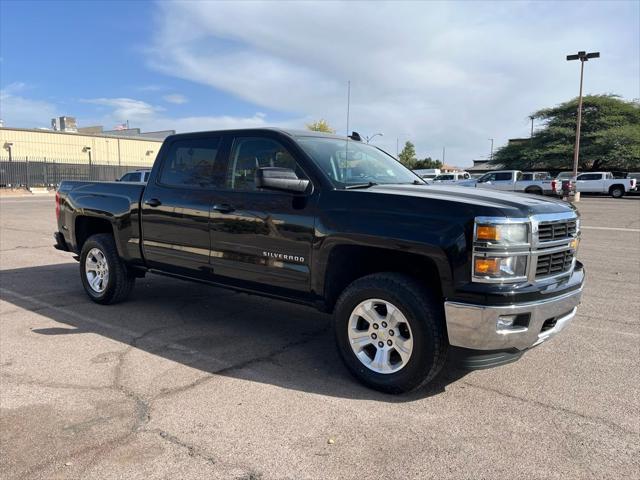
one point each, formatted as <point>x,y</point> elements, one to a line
<point>617,185</point>
<point>346,263</point>
<point>86,225</point>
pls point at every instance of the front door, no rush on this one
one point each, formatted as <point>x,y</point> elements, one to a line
<point>590,182</point>
<point>259,235</point>
<point>176,206</point>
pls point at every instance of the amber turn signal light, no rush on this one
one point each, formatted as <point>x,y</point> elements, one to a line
<point>488,266</point>
<point>487,232</point>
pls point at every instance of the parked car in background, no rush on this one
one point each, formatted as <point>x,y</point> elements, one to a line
<point>604,183</point>
<point>536,176</point>
<point>634,176</point>
<point>512,181</point>
<point>565,175</point>
<point>140,176</point>
<point>427,173</point>
<point>452,177</point>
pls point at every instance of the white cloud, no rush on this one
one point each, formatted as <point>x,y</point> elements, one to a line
<point>151,118</point>
<point>17,110</point>
<point>127,108</point>
<point>176,98</point>
<point>441,73</point>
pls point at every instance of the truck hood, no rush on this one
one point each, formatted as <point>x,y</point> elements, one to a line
<point>509,203</point>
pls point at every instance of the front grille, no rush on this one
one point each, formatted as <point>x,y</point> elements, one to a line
<point>554,263</point>
<point>548,232</point>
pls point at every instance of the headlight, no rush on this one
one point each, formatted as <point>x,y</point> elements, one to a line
<point>502,233</point>
<point>511,268</point>
<point>501,249</point>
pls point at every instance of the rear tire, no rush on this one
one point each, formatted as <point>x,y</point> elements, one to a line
<point>390,300</point>
<point>104,275</point>
<point>617,191</point>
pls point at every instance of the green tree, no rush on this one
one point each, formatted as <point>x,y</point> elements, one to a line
<point>320,126</point>
<point>407,156</point>
<point>428,163</point>
<point>609,139</point>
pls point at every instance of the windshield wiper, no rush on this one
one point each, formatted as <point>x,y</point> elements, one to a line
<point>360,185</point>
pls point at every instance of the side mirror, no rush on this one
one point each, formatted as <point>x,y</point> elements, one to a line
<point>284,179</point>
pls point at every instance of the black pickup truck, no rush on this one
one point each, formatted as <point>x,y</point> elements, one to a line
<point>413,273</point>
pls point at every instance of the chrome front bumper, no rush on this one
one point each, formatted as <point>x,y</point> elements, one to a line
<point>476,326</point>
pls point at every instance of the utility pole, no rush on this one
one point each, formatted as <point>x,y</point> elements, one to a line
<point>443,156</point>
<point>531,117</point>
<point>491,156</point>
<point>583,57</point>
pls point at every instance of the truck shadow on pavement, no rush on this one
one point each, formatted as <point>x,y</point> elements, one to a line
<point>217,331</point>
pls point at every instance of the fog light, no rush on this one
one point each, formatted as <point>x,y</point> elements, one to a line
<point>513,323</point>
<point>505,322</point>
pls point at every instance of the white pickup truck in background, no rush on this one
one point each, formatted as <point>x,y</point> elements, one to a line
<point>515,181</point>
<point>604,182</point>
<point>452,177</point>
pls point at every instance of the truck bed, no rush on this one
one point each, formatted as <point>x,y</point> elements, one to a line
<point>115,202</point>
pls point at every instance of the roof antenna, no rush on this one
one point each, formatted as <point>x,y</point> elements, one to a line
<point>348,103</point>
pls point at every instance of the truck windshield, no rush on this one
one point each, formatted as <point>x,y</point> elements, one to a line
<point>352,163</point>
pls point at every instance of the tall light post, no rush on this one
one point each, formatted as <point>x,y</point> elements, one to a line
<point>368,139</point>
<point>491,155</point>
<point>531,117</point>
<point>583,57</point>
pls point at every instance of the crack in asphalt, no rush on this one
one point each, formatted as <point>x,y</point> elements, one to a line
<point>594,419</point>
<point>141,414</point>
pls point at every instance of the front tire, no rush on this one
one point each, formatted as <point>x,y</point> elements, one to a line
<point>104,275</point>
<point>390,332</point>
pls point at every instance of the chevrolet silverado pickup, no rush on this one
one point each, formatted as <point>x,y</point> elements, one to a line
<point>413,274</point>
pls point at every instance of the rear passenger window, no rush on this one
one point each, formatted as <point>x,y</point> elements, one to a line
<point>503,176</point>
<point>146,177</point>
<point>192,163</point>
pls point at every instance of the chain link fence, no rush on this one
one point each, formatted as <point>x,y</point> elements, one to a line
<point>43,172</point>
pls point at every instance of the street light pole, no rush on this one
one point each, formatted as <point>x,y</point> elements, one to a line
<point>368,139</point>
<point>531,117</point>
<point>491,157</point>
<point>583,57</point>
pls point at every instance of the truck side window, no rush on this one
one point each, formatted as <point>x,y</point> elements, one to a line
<point>192,163</point>
<point>249,154</point>
<point>590,176</point>
<point>501,176</point>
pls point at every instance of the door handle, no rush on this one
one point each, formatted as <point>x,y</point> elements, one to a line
<point>153,202</point>
<point>223,208</point>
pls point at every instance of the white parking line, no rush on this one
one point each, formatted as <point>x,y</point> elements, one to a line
<point>615,229</point>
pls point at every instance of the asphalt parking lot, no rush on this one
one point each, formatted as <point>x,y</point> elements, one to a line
<point>189,381</point>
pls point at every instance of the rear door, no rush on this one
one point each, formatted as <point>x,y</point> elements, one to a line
<point>176,205</point>
<point>262,236</point>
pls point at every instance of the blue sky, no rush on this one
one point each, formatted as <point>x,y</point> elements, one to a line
<point>438,73</point>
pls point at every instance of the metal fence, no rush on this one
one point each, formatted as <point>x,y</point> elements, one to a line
<point>42,172</point>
